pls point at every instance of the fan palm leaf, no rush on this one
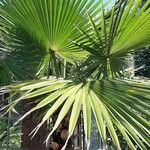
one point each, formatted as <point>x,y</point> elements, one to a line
<point>116,104</point>
<point>50,22</point>
<point>112,40</point>
<point>20,53</point>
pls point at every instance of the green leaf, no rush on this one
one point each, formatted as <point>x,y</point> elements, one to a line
<point>86,114</point>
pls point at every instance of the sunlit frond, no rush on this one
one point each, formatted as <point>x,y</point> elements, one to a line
<point>112,40</point>
<point>115,104</point>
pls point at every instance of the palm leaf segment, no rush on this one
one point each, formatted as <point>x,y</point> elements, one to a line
<point>115,104</point>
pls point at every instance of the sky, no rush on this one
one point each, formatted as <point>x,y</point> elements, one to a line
<point>111,2</point>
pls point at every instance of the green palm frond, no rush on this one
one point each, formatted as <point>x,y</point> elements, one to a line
<point>111,40</point>
<point>115,104</point>
<point>51,22</point>
<point>22,57</point>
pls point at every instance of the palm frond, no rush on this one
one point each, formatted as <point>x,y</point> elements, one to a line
<point>50,22</point>
<point>114,38</point>
<point>22,57</point>
<point>116,104</point>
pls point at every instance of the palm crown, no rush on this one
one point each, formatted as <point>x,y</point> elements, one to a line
<point>98,43</point>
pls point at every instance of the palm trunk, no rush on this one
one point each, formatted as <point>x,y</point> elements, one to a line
<point>28,124</point>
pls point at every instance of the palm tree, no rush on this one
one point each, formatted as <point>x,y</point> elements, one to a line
<point>98,43</point>
<point>26,51</point>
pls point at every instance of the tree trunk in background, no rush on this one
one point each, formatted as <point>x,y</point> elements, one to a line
<point>28,124</point>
